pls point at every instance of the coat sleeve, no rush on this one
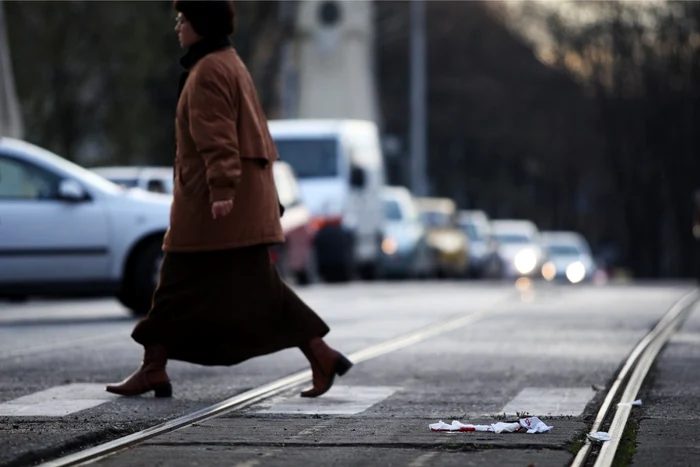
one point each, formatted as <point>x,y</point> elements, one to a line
<point>213,121</point>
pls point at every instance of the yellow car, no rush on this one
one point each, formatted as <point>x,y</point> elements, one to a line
<point>449,243</point>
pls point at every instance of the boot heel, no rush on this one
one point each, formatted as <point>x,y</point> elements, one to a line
<point>343,365</point>
<point>163,390</point>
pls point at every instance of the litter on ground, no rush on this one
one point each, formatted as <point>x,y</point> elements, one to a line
<point>529,425</point>
<point>638,402</point>
<point>599,436</point>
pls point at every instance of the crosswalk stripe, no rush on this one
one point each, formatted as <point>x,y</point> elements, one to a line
<point>553,402</point>
<point>57,401</point>
<point>340,400</point>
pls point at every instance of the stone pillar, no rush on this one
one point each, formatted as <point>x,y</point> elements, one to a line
<point>334,55</point>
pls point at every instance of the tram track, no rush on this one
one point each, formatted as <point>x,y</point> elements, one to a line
<point>269,390</point>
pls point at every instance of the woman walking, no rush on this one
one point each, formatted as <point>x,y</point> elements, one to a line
<point>219,299</point>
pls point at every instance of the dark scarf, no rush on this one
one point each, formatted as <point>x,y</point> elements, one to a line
<point>196,52</point>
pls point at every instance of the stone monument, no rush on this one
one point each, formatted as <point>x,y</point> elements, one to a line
<point>334,51</point>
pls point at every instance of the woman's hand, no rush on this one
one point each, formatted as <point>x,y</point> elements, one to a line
<point>221,209</point>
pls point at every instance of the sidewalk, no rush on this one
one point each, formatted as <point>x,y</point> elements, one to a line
<point>669,419</point>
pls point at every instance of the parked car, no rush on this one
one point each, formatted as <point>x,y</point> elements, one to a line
<point>405,249</point>
<point>65,230</point>
<point>483,248</point>
<point>570,258</point>
<point>153,179</point>
<point>448,241</point>
<point>340,167</point>
<point>296,257</point>
<point>520,247</point>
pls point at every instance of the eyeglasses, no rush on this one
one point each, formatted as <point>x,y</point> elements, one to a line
<point>180,20</point>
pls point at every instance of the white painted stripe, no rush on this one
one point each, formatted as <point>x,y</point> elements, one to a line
<point>423,460</point>
<point>553,402</point>
<point>340,400</point>
<point>58,401</point>
<point>691,338</point>
<point>255,460</point>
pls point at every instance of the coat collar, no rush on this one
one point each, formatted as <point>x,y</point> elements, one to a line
<point>198,51</point>
<point>202,48</point>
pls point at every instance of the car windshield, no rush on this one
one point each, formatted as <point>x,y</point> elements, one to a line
<point>157,185</point>
<point>511,238</point>
<point>392,210</point>
<point>310,158</point>
<point>71,168</point>
<point>472,231</point>
<point>435,218</point>
<point>125,182</point>
<point>563,250</point>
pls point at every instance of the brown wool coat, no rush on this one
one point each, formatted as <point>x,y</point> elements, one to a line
<point>224,151</point>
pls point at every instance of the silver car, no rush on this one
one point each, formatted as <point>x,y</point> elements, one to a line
<point>520,247</point>
<point>148,178</point>
<point>405,250</point>
<point>570,258</point>
<point>484,260</point>
<point>67,231</point>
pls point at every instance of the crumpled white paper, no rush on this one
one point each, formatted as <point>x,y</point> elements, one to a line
<point>534,425</point>
<point>638,402</point>
<point>599,436</point>
<point>530,424</point>
<point>458,426</point>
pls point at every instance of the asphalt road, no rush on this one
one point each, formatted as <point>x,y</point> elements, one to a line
<point>545,352</point>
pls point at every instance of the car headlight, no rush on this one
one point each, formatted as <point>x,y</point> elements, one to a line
<point>525,261</point>
<point>549,271</point>
<point>448,243</point>
<point>576,272</point>
<point>389,246</point>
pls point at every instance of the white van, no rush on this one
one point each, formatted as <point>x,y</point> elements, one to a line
<point>340,168</point>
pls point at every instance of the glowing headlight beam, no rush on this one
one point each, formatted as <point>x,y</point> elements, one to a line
<point>389,246</point>
<point>525,261</point>
<point>576,272</point>
<point>549,271</point>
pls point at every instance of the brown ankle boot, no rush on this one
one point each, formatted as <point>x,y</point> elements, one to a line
<point>151,376</point>
<point>325,364</point>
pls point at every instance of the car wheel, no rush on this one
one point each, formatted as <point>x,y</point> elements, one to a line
<point>341,272</point>
<point>143,279</point>
<point>344,269</point>
<point>370,270</point>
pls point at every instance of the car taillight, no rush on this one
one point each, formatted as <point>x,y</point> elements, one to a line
<point>320,222</point>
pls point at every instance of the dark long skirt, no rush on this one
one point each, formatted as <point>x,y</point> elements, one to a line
<point>224,307</point>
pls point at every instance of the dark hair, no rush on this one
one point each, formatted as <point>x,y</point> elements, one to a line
<point>209,18</point>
